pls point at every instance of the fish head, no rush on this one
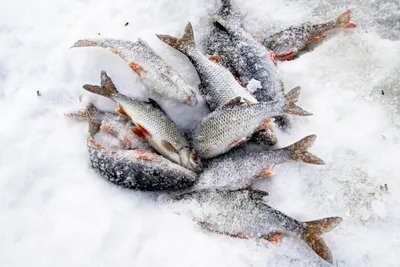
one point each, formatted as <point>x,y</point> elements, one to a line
<point>190,160</point>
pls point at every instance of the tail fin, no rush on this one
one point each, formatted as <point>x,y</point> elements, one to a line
<point>106,89</point>
<point>90,109</point>
<point>313,232</point>
<point>343,20</point>
<point>290,99</point>
<point>298,151</point>
<point>87,42</point>
<point>181,44</point>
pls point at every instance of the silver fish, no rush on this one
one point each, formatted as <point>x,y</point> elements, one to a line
<point>244,214</point>
<point>136,169</point>
<point>217,84</point>
<point>228,126</point>
<point>151,124</point>
<point>287,43</point>
<point>114,124</point>
<point>240,168</point>
<point>151,68</point>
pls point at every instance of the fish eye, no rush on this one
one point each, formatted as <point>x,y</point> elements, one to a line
<point>195,158</point>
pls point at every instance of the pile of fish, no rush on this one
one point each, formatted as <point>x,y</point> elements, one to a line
<point>155,155</point>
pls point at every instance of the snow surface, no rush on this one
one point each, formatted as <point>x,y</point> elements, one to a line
<point>56,211</point>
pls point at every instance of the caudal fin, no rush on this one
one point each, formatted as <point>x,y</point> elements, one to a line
<point>343,20</point>
<point>298,151</point>
<point>313,232</point>
<point>290,107</point>
<point>181,44</point>
<point>107,88</point>
<point>96,114</point>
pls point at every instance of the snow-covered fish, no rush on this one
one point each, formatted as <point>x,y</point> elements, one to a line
<point>240,168</point>
<point>255,61</point>
<point>114,124</point>
<point>244,214</point>
<point>151,68</point>
<point>217,84</point>
<point>136,169</point>
<point>151,124</point>
<point>287,43</point>
<point>230,126</point>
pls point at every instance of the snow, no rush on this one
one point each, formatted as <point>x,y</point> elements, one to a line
<point>57,211</point>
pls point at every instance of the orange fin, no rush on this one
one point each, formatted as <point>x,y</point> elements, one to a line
<point>239,81</point>
<point>343,20</point>
<point>143,130</point>
<point>145,155</point>
<point>167,145</point>
<point>121,110</point>
<point>216,58</point>
<point>273,57</point>
<point>136,68</point>
<point>319,37</point>
<point>274,237</point>
<point>238,142</point>
<point>115,51</point>
<point>266,172</point>
<point>96,145</point>
<point>137,131</point>
<point>238,235</point>
<point>266,124</point>
<point>285,55</point>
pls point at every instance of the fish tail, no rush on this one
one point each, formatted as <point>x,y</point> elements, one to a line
<point>313,232</point>
<point>88,42</point>
<point>106,89</point>
<point>298,151</point>
<point>290,99</point>
<point>181,44</point>
<point>81,114</point>
<point>343,21</point>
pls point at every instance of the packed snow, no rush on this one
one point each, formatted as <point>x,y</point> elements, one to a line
<point>57,211</point>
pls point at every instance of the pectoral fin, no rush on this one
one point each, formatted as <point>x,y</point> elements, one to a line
<point>274,237</point>
<point>238,142</point>
<point>168,146</point>
<point>136,68</point>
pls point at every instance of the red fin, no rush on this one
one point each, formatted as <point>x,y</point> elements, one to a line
<point>266,124</point>
<point>239,81</point>
<point>121,110</point>
<point>285,55</point>
<point>143,130</point>
<point>216,58</point>
<point>266,172</point>
<point>319,37</point>
<point>145,155</point>
<point>238,235</point>
<point>350,26</point>
<point>274,237</point>
<point>136,68</point>
<point>273,57</point>
<point>237,142</point>
<point>106,127</point>
<point>136,131</point>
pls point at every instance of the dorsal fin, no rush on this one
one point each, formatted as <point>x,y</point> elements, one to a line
<point>237,101</point>
<point>155,104</point>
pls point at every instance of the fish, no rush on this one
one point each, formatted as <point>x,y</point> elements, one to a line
<point>151,124</point>
<point>232,125</point>
<point>252,61</point>
<point>114,124</point>
<point>153,70</point>
<point>238,169</point>
<point>218,85</point>
<point>287,43</point>
<point>136,169</point>
<point>244,214</point>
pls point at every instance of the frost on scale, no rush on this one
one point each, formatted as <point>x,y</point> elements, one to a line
<point>240,168</point>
